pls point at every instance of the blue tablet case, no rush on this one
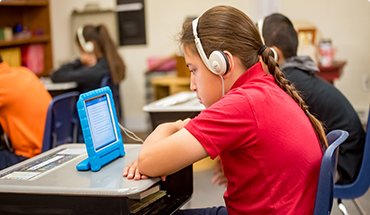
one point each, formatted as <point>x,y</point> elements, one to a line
<point>100,129</point>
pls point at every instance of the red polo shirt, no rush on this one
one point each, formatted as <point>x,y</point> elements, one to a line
<point>268,148</point>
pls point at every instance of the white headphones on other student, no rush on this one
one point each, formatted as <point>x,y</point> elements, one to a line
<point>260,29</point>
<point>87,46</point>
<point>218,62</point>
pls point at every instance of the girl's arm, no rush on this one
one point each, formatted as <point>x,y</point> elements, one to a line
<point>62,74</point>
<point>77,71</point>
<point>167,150</point>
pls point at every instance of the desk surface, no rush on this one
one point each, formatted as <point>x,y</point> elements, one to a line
<point>181,102</point>
<point>51,86</point>
<point>66,179</point>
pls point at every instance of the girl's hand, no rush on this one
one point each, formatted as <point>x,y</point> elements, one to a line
<point>186,121</point>
<point>219,176</point>
<point>131,171</point>
<point>88,59</point>
<point>168,149</point>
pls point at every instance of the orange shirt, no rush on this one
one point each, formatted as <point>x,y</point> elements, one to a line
<point>23,106</point>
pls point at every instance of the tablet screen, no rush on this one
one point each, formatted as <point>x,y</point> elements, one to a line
<point>100,121</point>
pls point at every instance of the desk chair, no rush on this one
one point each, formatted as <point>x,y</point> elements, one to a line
<point>324,195</point>
<point>62,123</point>
<point>107,81</point>
<point>4,141</point>
<point>361,184</point>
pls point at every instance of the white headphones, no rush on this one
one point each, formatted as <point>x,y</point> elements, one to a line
<point>260,29</point>
<point>218,62</point>
<point>87,46</point>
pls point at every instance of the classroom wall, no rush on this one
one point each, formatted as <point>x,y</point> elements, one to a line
<point>343,21</point>
<point>60,17</point>
<point>347,24</point>
<point>163,22</point>
<point>164,19</point>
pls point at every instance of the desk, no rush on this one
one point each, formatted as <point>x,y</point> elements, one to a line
<point>64,190</point>
<point>57,88</point>
<point>174,107</point>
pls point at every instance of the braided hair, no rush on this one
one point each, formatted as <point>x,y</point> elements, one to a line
<point>268,58</point>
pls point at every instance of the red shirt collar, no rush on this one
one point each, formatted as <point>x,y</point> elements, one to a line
<point>256,71</point>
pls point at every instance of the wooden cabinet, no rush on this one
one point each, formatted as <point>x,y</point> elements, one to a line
<point>332,72</point>
<point>169,85</point>
<point>33,14</point>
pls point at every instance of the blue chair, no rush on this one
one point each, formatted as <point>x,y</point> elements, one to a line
<point>362,182</point>
<point>107,81</point>
<point>325,187</point>
<point>62,123</point>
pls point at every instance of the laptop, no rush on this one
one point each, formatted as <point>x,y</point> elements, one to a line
<point>100,129</point>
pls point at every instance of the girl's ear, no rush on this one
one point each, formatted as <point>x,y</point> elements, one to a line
<point>231,63</point>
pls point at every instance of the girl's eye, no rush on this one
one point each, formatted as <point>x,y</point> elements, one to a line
<point>192,71</point>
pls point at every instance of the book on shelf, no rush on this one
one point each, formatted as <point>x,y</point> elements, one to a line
<point>138,205</point>
<point>33,57</point>
<point>12,56</point>
<point>6,33</point>
<point>145,193</point>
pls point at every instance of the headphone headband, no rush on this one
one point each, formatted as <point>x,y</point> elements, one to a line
<point>260,29</point>
<point>199,46</point>
<point>87,46</point>
<point>195,26</point>
<point>218,63</point>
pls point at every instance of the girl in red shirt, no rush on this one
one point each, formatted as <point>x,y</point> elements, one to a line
<point>255,122</point>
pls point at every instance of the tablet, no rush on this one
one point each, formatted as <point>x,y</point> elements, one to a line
<point>100,129</point>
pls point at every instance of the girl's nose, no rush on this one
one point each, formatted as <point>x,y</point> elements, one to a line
<point>193,86</point>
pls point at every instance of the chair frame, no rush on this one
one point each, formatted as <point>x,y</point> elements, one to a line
<point>325,186</point>
<point>360,186</point>
<point>50,137</point>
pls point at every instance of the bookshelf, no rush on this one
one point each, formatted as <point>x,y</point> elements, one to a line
<point>33,14</point>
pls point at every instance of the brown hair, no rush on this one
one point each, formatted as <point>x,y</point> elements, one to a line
<point>100,35</point>
<point>227,28</point>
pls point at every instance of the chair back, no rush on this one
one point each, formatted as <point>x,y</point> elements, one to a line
<point>62,122</point>
<point>325,187</point>
<point>107,81</point>
<point>362,182</point>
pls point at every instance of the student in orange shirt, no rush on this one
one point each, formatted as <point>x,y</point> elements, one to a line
<point>23,106</point>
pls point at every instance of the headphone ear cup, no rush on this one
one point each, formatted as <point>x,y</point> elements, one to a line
<point>89,47</point>
<point>219,62</point>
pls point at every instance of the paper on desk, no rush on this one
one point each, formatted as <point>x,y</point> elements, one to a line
<point>72,151</point>
<point>176,99</point>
